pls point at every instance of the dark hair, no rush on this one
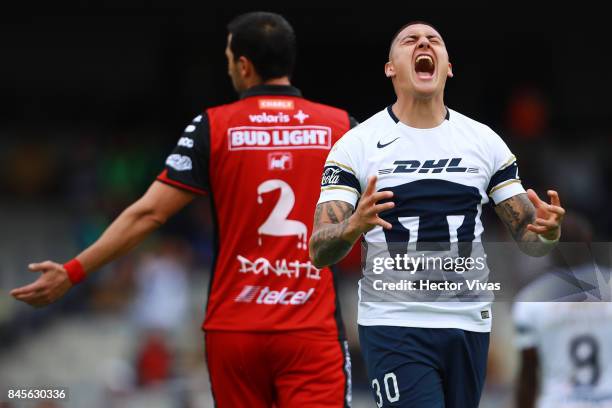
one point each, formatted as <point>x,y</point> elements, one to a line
<point>408,25</point>
<point>267,40</point>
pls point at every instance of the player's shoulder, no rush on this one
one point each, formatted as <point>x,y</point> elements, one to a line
<point>482,132</point>
<point>459,119</point>
<point>380,119</point>
<point>323,107</point>
<point>226,107</point>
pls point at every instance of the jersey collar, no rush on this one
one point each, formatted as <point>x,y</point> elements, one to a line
<point>396,120</point>
<point>281,90</point>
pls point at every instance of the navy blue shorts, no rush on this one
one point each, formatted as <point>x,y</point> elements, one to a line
<point>413,367</point>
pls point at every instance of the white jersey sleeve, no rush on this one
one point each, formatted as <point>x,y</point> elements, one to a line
<point>340,179</point>
<point>505,181</point>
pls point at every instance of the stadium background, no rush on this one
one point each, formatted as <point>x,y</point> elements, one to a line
<point>94,97</point>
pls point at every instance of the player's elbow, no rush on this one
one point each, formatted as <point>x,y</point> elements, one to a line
<point>313,254</point>
<point>145,213</point>
<point>157,219</point>
<point>317,262</point>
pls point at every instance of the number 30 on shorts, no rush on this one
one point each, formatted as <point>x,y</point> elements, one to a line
<point>391,389</point>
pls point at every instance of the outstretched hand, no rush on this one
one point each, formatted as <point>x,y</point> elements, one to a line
<point>366,215</point>
<point>51,285</point>
<point>548,216</point>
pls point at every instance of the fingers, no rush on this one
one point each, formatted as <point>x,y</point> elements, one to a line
<point>557,210</point>
<point>35,286</point>
<point>36,294</point>
<point>543,225</point>
<point>49,286</point>
<point>554,198</point>
<point>554,206</point>
<point>381,195</point>
<point>42,266</point>
<point>373,209</point>
<point>371,187</point>
<point>537,229</point>
<point>555,202</point>
<point>383,223</point>
<point>28,297</point>
<point>383,207</point>
<point>369,210</point>
<point>533,197</point>
<point>549,208</point>
<point>372,214</point>
<point>547,223</point>
<point>31,288</point>
<point>37,299</point>
<point>370,191</point>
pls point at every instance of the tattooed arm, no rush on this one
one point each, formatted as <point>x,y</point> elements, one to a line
<point>337,227</point>
<point>526,217</point>
<point>331,239</point>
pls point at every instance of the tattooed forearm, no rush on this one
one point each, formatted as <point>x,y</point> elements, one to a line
<point>516,213</point>
<point>331,239</point>
<point>327,246</point>
<point>331,212</point>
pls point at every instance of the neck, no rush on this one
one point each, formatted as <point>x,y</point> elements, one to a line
<point>273,81</point>
<point>277,81</point>
<point>422,113</point>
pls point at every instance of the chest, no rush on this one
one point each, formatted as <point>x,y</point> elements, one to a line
<point>401,157</point>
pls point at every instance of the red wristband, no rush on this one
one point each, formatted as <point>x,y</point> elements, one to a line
<point>75,271</point>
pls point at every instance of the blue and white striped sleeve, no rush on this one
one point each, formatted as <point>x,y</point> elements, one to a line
<point>505,181</point>
<point>340,180</point>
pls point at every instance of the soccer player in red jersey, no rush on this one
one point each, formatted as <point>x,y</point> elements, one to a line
<point>274,335</point>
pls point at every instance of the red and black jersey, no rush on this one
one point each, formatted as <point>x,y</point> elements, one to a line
<point>260,159</point>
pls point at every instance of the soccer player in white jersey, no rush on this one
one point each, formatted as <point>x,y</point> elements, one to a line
<point>565,347</point>
<point>566,354</point>
<point>418,171</point>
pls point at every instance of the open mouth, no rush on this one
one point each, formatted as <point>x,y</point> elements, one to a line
<point>424,66</point>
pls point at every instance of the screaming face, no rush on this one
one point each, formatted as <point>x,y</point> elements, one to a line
<point>418,61</point>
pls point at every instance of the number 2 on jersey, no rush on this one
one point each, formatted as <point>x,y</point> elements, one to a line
<point>277,224</point>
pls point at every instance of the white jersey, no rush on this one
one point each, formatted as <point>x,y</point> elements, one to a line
<point>440,178</point>
<point>573,342</point>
